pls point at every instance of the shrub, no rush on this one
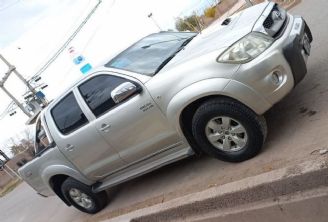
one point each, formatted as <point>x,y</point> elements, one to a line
<point>188,23</point>
<point>210,12</point>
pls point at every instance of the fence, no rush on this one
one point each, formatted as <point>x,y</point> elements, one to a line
<point>13,164</point>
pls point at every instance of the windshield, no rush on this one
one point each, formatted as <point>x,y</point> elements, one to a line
<point>151,53</point>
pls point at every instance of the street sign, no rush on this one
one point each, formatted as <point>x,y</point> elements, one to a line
<point>40,95</point>
<point>79,60</point>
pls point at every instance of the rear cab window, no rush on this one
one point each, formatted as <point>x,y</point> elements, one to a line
<point>42,139</point>
<point>68,115</point>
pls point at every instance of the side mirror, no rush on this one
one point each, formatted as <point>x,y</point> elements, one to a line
<point>124,91</point>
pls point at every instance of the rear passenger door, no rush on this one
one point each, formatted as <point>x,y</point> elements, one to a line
<point>78,139</point>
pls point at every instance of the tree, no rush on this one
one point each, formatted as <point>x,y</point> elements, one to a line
<point>210,12</point>
<point>28,146</point>
<point>16,149</point>
<point>188,23</point>
<point>27,133</point>
<point>19,145</point>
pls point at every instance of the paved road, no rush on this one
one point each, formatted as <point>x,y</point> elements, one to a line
<point>297,126</point>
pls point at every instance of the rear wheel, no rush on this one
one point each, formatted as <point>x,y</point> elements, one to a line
<point>228,130</point>
<point>82,197</point>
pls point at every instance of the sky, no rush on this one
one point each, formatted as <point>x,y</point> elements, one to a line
<point>31,31</point>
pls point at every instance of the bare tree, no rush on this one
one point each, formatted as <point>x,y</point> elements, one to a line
<point>27,142</point>
<point>16,149</point>
<point>28,135</point>
<point>18,145</point>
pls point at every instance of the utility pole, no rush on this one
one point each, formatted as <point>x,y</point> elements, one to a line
<point>12,69</point>
<point>15,100</point>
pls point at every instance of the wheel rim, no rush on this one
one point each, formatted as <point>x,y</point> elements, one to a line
<point>81,198</point>
<point>226,134</point>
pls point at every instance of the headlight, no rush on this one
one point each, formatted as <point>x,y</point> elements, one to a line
<point>246,49</point>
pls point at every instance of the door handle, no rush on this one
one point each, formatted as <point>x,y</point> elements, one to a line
<point>28,174</point>
<point>69,147</point>
<point>105,127</point>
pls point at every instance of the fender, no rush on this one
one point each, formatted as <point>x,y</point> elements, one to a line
<point>212,87</point>
<point>54,170</point>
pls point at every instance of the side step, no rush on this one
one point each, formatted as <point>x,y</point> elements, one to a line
<point>143,167</point>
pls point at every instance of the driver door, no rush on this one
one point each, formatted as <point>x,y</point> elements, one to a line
<point>134,126</point>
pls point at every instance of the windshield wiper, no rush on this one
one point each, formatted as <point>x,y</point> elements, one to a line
<point>168,59</point>
<point>155,43</point>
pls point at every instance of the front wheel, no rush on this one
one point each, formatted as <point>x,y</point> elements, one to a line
<point>82,197</point>
<point>228,130</point>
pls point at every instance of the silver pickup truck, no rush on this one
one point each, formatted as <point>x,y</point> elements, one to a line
<point>168,96</point>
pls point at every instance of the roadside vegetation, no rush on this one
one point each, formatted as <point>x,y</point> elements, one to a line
<point>17,145</point>
<point>22,150</point>
<point>195,22</point>
<point>210,12</point>
<point>199,20</point>
<point>188,23</point>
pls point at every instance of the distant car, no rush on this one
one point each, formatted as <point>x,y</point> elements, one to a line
<point>169,96</point>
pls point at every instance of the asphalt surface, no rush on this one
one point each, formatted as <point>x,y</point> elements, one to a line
<point>298,126</point>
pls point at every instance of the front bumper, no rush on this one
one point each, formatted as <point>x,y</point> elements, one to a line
<point>287,56</point>
<point>298,48</point>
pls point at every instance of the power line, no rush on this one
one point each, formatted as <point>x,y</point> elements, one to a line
<point>62,48</point>
<point>89,40</point>
<point>54,57</point>
<point>12,69</point>
<point>10,109</point>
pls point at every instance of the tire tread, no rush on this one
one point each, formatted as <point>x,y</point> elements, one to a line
<point>255,124</point>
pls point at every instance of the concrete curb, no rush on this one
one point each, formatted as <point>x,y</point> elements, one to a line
<point>272,185</point>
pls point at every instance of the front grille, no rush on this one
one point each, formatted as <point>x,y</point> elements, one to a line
<point>275,21</point>
<point>268,23</point>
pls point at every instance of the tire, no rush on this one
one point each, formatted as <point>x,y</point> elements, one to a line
<point>223,142</point>
<point>90,202</point>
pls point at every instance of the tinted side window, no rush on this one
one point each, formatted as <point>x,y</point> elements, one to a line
<point>68,115</point>
<point>97,93</point>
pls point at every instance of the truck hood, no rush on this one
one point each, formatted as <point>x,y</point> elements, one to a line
<point>218,37</point>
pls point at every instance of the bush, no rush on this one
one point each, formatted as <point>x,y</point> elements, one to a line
<point>210,12</point>
<point>189,23</point>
